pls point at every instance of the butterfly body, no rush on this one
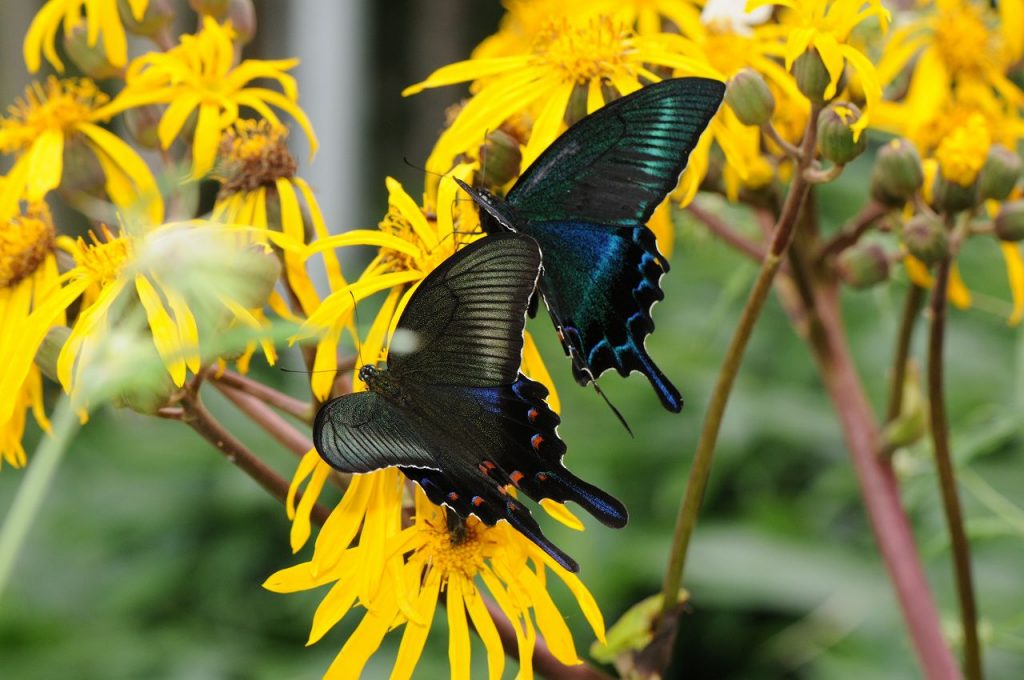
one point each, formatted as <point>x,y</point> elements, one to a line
<point>454,413</point>
<point>586,201</point>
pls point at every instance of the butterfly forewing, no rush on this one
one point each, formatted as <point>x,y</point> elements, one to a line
<point>615,166</point>
<point>464,324</point>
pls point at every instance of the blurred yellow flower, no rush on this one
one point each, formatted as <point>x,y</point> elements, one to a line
<point>28,276</point>
<point>400,577</point>
<point>962,154</point>
<point>566,56</point>
<point>199,74</point>
<point>41,124</point>
<point>101,16</point>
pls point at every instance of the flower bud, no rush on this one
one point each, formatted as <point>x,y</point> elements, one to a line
<point>82,172</point>
<point>215,8</point>
<point>1010,221</point>
<point>242,16</point>
<point>897,174</point>
<point>148,393</point>
<point>749,97</point>
<point>90,59</point>
<point>925,238</point>
<point>999,174</point>
<point>49,350</point>
<point>156,18</point>
<point>863,266</point>
<point>812,77</point>
<point>142,123</point>
<point>500,159</point>
<point>260,269</point>
<point>835,133</point>
<point>951,197</point>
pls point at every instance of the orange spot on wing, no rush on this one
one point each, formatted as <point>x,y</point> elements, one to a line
<point>536,441</point>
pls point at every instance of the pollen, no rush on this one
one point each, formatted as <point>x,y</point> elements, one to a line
<point>584,52</point>
<point>57,104</point>
<point>25,241</point>
<point>962,154</point>
<point>253,154</point>
<point>455,552</point>
<point>103,258</point>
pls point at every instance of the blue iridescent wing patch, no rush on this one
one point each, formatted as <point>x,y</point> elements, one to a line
<point>586,200</point>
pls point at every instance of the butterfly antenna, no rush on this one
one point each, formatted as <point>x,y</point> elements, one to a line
<point>405,159</point>
<point>355,315</point>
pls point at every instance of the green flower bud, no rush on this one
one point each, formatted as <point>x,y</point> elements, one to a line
<point>149,391</point>
<point>812,77</point>
<point>999,174</point>
<point>749,97</point>
<point>260,270</point>
<point>835,133</point>
<point>91,59</point>
<point>863,266</point>
<point>948,196</point>
<point>158,17</point>
<point>500,159</point>
<point>142,123</point>
<point>82,172</point>
<point>49,350</point>
<point>897,174</point>
<point>1010,221</point>
<point>925,238</point>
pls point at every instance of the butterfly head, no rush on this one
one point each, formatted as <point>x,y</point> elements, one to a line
<point>370,375</point>
<point>379,380</point>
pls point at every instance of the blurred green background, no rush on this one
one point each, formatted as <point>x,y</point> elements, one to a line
<point>148,556</point>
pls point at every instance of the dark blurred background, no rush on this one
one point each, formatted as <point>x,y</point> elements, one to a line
<point>148,556</point>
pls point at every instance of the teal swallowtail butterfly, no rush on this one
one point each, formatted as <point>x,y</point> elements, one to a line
<point>452,410</point>
<point>586,200</point>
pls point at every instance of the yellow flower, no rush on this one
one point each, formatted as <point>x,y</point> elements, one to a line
<point>177,273</point>
<point>400,577</point>
<point>566,56</point>
<point>825,25</point>
<point>199,74</point>
<point>962,154</point>
<point>955,44</point>
<point>28,275</point>
<point>101,17</point>
<point>257,175</point>
<point>44,121</point>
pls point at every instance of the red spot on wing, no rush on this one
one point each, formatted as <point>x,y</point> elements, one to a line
<point>516,476</point>
<point>532,415</point>
<point>477,501</point>
<point>453,496</point>
<point>536,440</point>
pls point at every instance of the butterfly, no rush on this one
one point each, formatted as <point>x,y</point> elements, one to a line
<point>452,410</point>
<point>586,200</point>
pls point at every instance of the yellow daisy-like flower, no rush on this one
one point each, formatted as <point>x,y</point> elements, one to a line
<point>101,16</point>
<point>962,154</point>
<point>401,578</point>
<point>954,44</point>
<point>826,27</point>
<point>258,183</point>
<point>199,74</point>
<point>28,275</point>
<point>40,125</point>
<point>566,56</point>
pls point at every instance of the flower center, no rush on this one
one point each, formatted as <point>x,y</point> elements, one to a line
<point>253,154</point>
<point>25,241</point>
<point>460,552</point>
<point>53,105</point>
<point>962,154</point>
<point>103,259</point>
<point>727,50</point>
<point>584,52</point>
<point>965,42</point>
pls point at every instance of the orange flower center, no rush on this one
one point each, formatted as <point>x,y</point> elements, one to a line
<point>25,241</point>
<point>254,154</point>
<point>584,52</point>
<point>54,105</point>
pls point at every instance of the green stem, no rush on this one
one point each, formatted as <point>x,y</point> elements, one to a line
<point>700,471</point>
<point>29,499</point>
<point>911,307</point>
<point>947,476</point>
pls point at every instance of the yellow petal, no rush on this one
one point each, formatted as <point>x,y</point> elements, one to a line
<point>549,122</point>
<point>359,647</point>
<point>464,71</point>
<point>549,619</point>
<point>206,140</point>
<point>340,302</point>
<point>127,160</point>
<point>458,631</point>
<point>488,633</point>
<point>46,164</point>
<point>958,293</point>
<point>363,237</point>
<point>300,525</point>
<point>1015,276</point>
<point>165,333</point>
<point>561,513</point>
<point>415,635</point>
<point>336,603</point>
<point>174,118</point>
<point>534,368</point>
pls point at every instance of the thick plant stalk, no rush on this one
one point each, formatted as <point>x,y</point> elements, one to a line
<point>880,490</point>
<point>947,477</point>
<point>700,471</point>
